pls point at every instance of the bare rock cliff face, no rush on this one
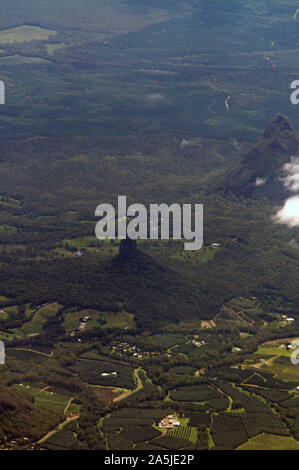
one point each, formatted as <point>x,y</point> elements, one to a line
<point>128,248</point>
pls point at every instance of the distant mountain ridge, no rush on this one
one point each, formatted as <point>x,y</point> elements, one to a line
<point>259,173</point>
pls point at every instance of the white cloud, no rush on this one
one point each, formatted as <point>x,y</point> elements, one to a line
<point>289,213</point>
<point>291,180</point>
<point>186,143</point>
<point>260,181</point>
<point>155,98</point>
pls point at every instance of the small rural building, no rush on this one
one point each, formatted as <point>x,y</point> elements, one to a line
<point>215,245</point>
<point>169,422</point>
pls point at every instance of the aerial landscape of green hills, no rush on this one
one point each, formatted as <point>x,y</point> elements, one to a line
<point>112,345</point>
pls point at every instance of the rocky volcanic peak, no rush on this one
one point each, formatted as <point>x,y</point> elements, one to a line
<point>279,126</point>
<point>259,173</point>
<point>128,248</point>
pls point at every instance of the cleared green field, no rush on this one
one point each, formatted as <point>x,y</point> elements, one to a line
<point>8,201</point>
<point>74,408</point>
<point>171,248</point>
<point>277,348</point>
<point>11,309</point>
<point>6,337</point>
<point>104,319</point>
<point>274,351</point>
<point>4,299</point>
<point>270,442</point>
<point>33,391</point>
<point>7,229</point>
<point>175,249</point>
<point>35,326</point>
<point>283,369</point>
<point>183,431</point>
<point>201,256</point>
<point>53,401</point>
<point>82,242</point>
<point>119,320</point>
<point>22,60</point>
<point>51,48</point>
<point>25,33</point>
<point>3,315</point>
<point>72,319</point>
<point>102,248</point>
<point>245,335</point>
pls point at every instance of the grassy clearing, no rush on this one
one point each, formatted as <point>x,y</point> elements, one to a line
<point>81,242</point>
<point>283,369</point>
<point>51,48</point>
<point>10,202</point>
<point>270,442</point>
<point>3,315</point>
<point>74,408</point>
<point>90,244</point>
<point>274,351</point>
<point>105,319</point>
<point>13,309</point>
<point>6,337</point>
<point>172,248</point>
<point>8,229</point>
<point>46,399</point>
<point>55,402</point>
<point>119,320</point>
<point>35,325</point>
<point>185,325</point>
<point>183,432</point>
<point>276,348</point>
<point>175,249</point>
<point>245,335</point>
<point>22,60</point>
<point>25,33</point>
<point>33,391</point>
<point>29,352</point>
<point>200,256</point>
<point>72,319</point>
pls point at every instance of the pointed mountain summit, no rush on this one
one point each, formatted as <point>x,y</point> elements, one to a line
<point>128,248</point>
<point>259,173</point>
